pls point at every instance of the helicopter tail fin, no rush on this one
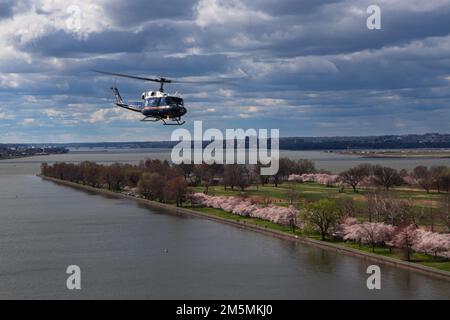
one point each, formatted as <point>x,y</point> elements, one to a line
<point>120,103</point>
<point>118,97</point>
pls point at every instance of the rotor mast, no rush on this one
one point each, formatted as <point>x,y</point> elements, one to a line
<point>162,81</point>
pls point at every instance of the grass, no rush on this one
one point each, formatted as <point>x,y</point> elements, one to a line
<point>252,221</point>
<point>310,192</point>
<point>419,258</point>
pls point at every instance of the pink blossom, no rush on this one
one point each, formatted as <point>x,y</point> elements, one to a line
<point>432,242</point>
<point>322,178</point>
<point>372,233</point>
<point>410,180</point>
<point>235,205</point>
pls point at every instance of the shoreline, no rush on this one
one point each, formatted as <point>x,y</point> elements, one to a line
<point>30,156</point>
<point>264,230</point>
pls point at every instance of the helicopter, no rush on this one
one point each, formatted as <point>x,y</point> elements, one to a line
<point>155,105</point>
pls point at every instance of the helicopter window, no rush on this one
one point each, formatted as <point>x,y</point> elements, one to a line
<point>163,102</point>
<point>152,102</point>
<point>174,100</point>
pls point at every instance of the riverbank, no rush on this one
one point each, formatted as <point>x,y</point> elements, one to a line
<point>268,230</point>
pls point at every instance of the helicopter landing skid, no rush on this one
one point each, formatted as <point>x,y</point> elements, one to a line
<point>178,123</point>
<point>150,119</point>
<point>177,120</point>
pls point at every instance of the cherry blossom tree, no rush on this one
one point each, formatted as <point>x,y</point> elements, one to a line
<point>238,206</point>
<point>374,233</point>
<point>321,178</point>
<point>432,242</point>
<point>405,239</point>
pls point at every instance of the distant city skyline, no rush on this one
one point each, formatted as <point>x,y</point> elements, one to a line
<point>308,68</point>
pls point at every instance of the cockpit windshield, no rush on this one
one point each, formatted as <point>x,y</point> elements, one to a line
<point>174,100</point>
<point>156,102</point>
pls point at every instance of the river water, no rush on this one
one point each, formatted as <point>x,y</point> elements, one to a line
<point>126,250</point>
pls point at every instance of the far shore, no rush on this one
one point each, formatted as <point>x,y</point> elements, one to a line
<point>399,154</point>
<point>266,230</point>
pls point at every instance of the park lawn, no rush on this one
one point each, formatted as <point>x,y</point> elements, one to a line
<point>420,258</point>
<point>417,257</point>
<point>306,191</point>
<point>310,192</point>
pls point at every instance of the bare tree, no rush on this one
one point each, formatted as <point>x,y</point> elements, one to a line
<point>423,177</point>
<point>258,176</point>
<point>444,211</point>
<point>292,194</point>
<point>437,172</point>
<point>346,206</point>
<point>378,204</point>
<point>151,186</point>
<point>132,176</point>
<point>175,189</point>
<point>236,175</point>
<point>303,166</point>
<point>114,176</point>
<point>386,177</point>
<point>405,239</point>
<point>354,176</point>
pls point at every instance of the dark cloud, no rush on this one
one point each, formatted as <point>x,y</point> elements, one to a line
<point>312,64</point>
<point>289,7</point>
<point>132,13</point>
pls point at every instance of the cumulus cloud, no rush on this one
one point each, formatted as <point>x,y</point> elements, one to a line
<point>109,115</point>
<point>6,116</point>
<point>28,121</point>
<point>227,13</point>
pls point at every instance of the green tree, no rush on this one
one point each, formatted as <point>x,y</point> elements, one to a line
<point>322,214</point>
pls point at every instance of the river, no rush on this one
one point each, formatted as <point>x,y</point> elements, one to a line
<point>126,250</point>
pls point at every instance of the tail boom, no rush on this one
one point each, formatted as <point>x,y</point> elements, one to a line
<point>120,103</point>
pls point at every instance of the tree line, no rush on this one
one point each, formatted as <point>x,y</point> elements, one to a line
<point>237,176</point>
<point>153,179</point>
<point>435,177</point>
<point>162,181</point>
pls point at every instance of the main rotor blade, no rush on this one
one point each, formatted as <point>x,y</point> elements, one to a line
<point>165,80</point>
<point>199,81</point>
<point>131,77</point>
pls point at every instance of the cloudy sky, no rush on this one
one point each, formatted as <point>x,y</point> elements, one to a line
<point>307,67</point>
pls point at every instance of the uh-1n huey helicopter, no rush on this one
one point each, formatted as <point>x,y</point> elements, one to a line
<point>155,105</point>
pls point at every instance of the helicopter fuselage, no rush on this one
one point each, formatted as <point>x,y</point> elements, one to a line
<point>155,106</point>
<point>158,104</point>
